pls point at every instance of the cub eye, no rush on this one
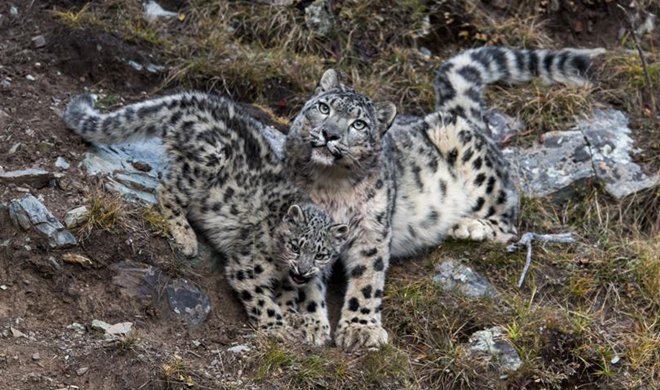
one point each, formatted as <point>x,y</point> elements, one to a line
<point>323,108</point>
<point>359,125</point>
<point>320,256</point>
<point>294,248</point>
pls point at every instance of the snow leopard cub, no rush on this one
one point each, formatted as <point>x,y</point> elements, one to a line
<point>224,177</point>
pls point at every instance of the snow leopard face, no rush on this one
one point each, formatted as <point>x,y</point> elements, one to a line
<point>308,242</point>
<point>339,128</point>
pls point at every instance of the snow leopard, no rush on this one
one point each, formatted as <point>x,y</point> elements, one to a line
<point>224,177</point>
<point>405,185</point>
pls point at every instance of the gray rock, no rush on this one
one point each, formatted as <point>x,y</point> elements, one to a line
<point>39,41</point>
<point>492,347</point>
<point>188,302</point>
<point>76,217</point>
<point>29,213</point>
<point>138,281</point>
<point>318,17</point>
<point>452,275</point>
<point>501,127</point>
<point>117,162</point>
<point>61,163</point>
<point>597,148</point>
<point>36,178</point>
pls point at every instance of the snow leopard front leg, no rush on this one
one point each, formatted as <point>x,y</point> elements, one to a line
<point>255,280</point>
<point>365,262</point>
<point>304,308</point>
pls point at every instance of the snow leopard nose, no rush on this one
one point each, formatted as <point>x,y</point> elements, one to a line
<point>331,134</point>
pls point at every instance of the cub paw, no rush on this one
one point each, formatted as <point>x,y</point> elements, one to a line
<point>316,332</point>
<point>355,336</point>
<point>185,240</point>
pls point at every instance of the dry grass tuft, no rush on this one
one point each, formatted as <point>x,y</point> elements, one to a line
<point>106,212</point>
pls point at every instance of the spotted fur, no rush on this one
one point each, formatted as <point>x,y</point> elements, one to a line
<point>424,179</point>
<point>224,176</point>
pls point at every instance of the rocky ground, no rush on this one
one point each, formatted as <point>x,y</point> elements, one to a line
<point>92,296</point>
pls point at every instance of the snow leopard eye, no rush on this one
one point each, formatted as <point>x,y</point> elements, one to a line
<point>323,108</point>
<point>359,125</point>
<point>294,248</point>
<point>321,256</point>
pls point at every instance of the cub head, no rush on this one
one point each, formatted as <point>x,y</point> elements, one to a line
<point>308,242</point>
<point>339,129</point>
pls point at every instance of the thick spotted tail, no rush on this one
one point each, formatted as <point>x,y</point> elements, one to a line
<point>460,81</point>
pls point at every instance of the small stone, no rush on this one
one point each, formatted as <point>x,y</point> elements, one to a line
<point>79,328</point>
<point>30,77</point>
<point>36,178</point>
<point>452,275</point>
<point>13,11</point>
<point>6,83</point>
<point>75,217</point>
<point>120,329</point>
<point>61,163</point>
<point>82,371</point>
<point>318,17</point>
<point>39,41</point>
<point>3,287</point>
<point>100,325</point>
<point>14,148</point>
<point>616,359</point>
<point>491,346</point>
<point>141,166</point>
<point>239,348</point>
<point>17,333</point>
<point>36,356</point>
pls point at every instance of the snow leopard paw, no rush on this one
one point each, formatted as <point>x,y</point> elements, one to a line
<point>354,336</point>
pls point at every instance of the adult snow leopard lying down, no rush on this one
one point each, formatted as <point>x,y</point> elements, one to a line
<point>407,188</point>
<point>223,175</point>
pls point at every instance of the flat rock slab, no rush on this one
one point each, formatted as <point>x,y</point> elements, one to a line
<point>29,213</point>
<point>452,275</point>
<point>596,148</point>
<point>123,164</point>
<point>36,178</point>
<point>492,347</point>
<point>187,301</point>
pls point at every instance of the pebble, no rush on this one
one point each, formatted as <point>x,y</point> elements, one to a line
<point>76,217</point>
<point>30,77</point>
<point>17,333</point>
<point>3,287</point>
<point>82,371</point>
<point>39,41</point>
<point>36,356</point>
<point>62,163</point>
<point>239,348</point>
<point>36,178</point>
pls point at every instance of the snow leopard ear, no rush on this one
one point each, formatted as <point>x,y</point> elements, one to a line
<point>339,233</point>
<point>295,215</point>
<point>328,81</point>
<point>385,111</point>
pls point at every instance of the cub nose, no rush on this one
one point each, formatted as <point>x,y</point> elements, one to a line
<point>330,135</point>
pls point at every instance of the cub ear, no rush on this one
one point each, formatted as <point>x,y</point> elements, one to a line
<point>339,232</point>
<point>295,215</point>
<point>328,81</point>
<point>385,111</point>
